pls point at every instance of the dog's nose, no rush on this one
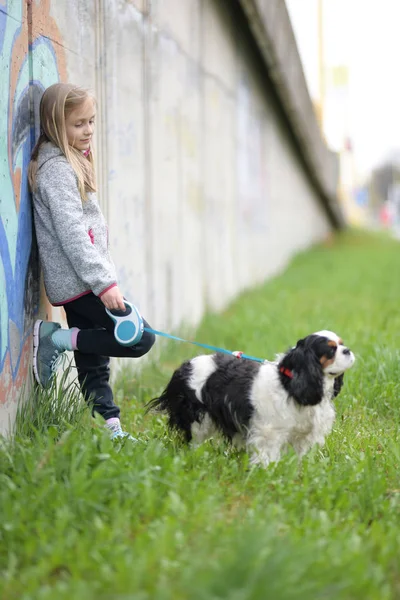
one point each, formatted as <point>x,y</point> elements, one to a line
<point>346,351</point>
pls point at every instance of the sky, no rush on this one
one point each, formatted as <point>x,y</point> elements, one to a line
<point>363,35</point>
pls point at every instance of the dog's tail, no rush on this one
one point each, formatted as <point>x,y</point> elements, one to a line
<point>179,402</point>
<point>159,404</point>
<point>179,413</point>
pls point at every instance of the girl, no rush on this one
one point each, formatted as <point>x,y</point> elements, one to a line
<point>72,238</point>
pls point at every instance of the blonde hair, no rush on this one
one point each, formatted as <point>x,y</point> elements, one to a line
<point>57,102</point>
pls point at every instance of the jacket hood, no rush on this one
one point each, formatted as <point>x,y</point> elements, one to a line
<point>48,151</point>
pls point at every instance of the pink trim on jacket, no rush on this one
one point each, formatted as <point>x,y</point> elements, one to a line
<point>107,288</point>
<point>83,294</point>
<point>71,299</point>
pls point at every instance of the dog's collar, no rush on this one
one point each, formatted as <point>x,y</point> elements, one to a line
<point>286,372</point>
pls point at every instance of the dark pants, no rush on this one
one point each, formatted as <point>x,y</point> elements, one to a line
<point>96,343</point>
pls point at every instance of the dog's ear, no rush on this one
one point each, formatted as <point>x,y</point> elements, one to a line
<point>301,374</point>
<point>338,384</point>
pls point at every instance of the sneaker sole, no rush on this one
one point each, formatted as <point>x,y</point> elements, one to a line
<point>36,329</point>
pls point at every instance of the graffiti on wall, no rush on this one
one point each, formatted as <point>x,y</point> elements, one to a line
<point>29,62</point>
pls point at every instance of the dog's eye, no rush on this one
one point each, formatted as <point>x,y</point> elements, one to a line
<point>331,352</point>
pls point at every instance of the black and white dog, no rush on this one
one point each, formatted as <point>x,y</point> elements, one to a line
<point>262,407</point>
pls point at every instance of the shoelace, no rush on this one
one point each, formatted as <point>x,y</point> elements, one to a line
<point>119,433</point>
<point>56,361</point>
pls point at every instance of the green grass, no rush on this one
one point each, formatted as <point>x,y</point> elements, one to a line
<point>82,519</point>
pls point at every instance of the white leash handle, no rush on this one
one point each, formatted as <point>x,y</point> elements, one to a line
<point>128,329</point>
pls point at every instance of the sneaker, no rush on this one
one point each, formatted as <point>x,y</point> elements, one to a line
<point>46,355</point>
<point>118,435</point>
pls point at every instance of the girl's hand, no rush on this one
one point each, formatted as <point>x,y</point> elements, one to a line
<point>113,299</point>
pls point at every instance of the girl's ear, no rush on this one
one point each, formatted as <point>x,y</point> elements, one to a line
<point>306,383</point>
<point>338,384</point>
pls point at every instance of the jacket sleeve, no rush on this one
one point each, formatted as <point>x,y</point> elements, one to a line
<point>59,191</point>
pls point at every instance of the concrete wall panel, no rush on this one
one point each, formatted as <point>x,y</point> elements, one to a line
<point>198,165</point>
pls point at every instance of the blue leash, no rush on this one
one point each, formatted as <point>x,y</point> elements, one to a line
<point>129,329</point>
<point>207,346</point>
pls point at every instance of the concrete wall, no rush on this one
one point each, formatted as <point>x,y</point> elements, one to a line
<point>200,174</point>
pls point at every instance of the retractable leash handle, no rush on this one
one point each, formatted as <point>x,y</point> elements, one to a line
<point>129,327</point>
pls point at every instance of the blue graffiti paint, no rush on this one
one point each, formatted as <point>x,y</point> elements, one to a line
<point>19,276</point>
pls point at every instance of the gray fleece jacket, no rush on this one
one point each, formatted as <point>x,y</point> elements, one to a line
<point>72,235</point>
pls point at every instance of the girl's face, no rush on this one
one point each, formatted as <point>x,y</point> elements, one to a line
<point>79,125</point>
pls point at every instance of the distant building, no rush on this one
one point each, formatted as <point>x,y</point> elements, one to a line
<point>323,34</point>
